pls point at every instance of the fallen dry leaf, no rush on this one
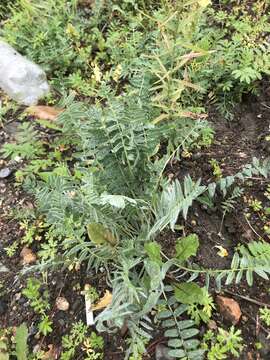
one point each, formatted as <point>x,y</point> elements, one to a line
<point>222,252</point>
<point>27,255</point>
<point>44,112</point>
<point>62,303</point>
<point>104,301</point>
<point>52,354</point>
<point>229,308</point>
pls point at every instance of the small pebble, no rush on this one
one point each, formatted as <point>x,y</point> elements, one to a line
<point>17,296</point>
<point>212,325</point>
<point>3,268</point>
<point>4,173</point>
<point>62,303</point>
<point>162,353</point>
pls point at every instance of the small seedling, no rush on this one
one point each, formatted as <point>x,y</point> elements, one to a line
<point>217,172</point>
<point>39,304</point>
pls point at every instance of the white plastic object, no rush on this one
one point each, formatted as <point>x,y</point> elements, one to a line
<point>24,81</point>
<point>88,307</point>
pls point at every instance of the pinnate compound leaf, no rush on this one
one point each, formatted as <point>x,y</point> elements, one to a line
<point>187,247</point>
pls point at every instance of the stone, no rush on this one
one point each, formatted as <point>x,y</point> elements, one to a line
<point>229,308</point>
<point>28,257</point>
<point>17,296</point>
<point>4,173</point>
<point>3,268</point>
<point>62,303</point>
<point>212,325</point>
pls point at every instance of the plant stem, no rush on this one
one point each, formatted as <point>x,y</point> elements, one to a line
<point>259,303</point>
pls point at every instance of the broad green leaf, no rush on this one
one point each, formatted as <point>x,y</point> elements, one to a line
<point>175,343</point>
<point>180,310</point>
<point>178,353</point>
<point>168,323</point>
<point>188,333</point>
<point>185,324</point>
<point>21,342</point>
<point>164,314</point>
<point>118,201</point>
<point>192,344</point>
<point>153,250</point>
<point>171,333</point>
<point>187,247</point>
<point>188,293</point>
<point>114,200</point>
<point>100,235</point>
<point>249,277</point>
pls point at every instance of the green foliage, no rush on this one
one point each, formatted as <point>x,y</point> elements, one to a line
<point>76,337</point>
<point>27,145</point>
<point>55,33</point>
<point>249,259</point>
<point>153,250</point>
<point>180,333</point>
<point>149,68</point>
<point>92,294</point>
<point>188,293</point>
<point>21,342</point>
<point>11,250</point>
<point>39,303</point>
<point>45,325</point>
<point>200,303</point>
<point>217,172</point>
<point>93,346</point>
<point>19,348</point>
<point>265,315</point>
<point>229,203</point>
<point>223,345</point>
<point>187,247</point>
<point>100,235</point>
<point>241,54</point>
<point>175,199</point>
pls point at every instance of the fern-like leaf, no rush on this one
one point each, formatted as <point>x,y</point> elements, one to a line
<point>180,333</point>
<point>175,199</point>
<point>247,260</point>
